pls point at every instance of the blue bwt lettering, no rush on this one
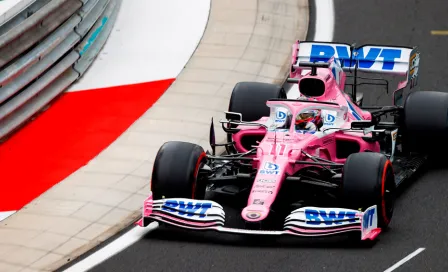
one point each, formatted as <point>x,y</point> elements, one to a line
<point>188,208</point>
<point>269,172</point>
<point>270,169</point>
<point>389,56</point>
<point>323,53</point>
<point>368,219</point>
<point>316,217</point>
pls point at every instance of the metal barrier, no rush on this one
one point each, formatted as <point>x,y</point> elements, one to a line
<point>46,48</point>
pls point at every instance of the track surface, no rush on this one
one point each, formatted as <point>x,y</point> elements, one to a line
<point>419,220</point>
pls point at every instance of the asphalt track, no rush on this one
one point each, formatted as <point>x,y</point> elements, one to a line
<point>420,218</point>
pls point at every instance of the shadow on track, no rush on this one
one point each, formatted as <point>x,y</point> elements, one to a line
<point>432,166</point>
<point>175,235</point>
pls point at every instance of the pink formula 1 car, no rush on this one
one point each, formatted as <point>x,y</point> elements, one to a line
<point>317,165</point>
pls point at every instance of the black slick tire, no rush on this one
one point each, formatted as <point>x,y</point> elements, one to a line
<point>249,99</point>
<point>175,172</point>
<point>368,179</point>
<point>425,121</point>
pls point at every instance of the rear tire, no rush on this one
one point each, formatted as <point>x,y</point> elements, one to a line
<point>249,99</point>
<point>175,172</point>
<point>425,121</point>
<point>368,179</point>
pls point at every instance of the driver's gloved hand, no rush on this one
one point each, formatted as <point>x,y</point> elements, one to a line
<point>310,126</point>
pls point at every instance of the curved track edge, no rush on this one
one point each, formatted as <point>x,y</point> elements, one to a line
<point>243,41</point>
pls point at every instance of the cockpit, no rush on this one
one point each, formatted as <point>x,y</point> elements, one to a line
<point>305,119</point>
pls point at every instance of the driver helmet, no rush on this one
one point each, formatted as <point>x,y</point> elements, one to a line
<point>303,118</point>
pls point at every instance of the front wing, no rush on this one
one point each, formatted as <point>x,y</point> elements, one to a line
<point>306,222</point>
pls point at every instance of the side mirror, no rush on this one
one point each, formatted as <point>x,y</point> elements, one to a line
<point>234,116</point>
<point>398,97</point>
<point>362,124</point>
<point>359,98</point>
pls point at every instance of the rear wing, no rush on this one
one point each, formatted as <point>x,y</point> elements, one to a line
<point>368,58</point>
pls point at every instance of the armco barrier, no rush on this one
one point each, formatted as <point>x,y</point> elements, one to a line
<point>44,49</point>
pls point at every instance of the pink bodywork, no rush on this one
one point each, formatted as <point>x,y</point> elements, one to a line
<point>289,145</point>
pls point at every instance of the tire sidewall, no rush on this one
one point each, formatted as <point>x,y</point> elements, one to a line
<point>176,169</point>
<point>366,177</point>
<point>425,122</point>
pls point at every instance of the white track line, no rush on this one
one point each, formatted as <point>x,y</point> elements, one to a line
<point>324,28</point>
<point>405,259</point>
<point>4,215</point>
<point>124,241</point>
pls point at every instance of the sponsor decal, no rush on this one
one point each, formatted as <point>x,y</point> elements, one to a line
<point>266,180</point>
<point>329,217</point>
<point>378,58</point>
<point>329,117</point>
<point>263,191</point>
<point>264,186</point>
<point>367,218</point>
<point>187,208</point>
<point>280,116</point>
<point>414,62</point>
<point>270,168</point>
<point>394,143</point>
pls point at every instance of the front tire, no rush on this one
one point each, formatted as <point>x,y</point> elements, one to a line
<point>176,169</point>
<point>368,179</point>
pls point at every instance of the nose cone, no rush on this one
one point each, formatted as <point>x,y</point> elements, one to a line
<point>255,213</point>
